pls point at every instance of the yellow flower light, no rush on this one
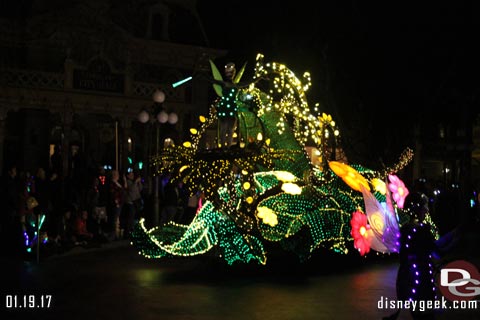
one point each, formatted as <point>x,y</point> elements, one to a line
<point>291,188</point>
<point>284,176</point>
<point>187,144</point>
<point>267,215</point>
<point>202,119</point>
<point>349,175</point>
<point>379,185</point>
<point>193,131</point>
<point>246,185</point>
<point>326,118</point>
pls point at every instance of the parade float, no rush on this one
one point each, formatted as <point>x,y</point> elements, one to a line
<point>264,190</point>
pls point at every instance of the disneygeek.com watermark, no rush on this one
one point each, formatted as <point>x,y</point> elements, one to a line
<point>459,284</point>
<point>424,305</point>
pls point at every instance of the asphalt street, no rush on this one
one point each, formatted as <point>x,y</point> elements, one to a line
<point>114,282</point>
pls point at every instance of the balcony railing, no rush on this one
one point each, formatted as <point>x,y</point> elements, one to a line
<point>31,79</point>
<point>49,80</point>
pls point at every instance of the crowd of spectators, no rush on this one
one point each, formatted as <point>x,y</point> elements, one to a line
<point>103,206</point>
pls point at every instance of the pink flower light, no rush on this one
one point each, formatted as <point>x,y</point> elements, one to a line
<point>360,234</point>
<point>398,190</point>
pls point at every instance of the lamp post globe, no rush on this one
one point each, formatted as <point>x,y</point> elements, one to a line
<point>143,116</point>
<point>159,96</point>
<point>172,118</point>
<point>162,117</point>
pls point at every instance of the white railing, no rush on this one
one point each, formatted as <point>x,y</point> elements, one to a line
<point>37,79</point>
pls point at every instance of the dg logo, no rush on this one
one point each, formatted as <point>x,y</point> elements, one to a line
<point>459,280</point>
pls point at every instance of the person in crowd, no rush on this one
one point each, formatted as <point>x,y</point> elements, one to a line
<point>56,161</point>
<point>57,200</point>
<point>458,227</point>
<point>23,194</point>
<point>192,207</point>
<point>81,233</point>
<point>43,195</point>
<point>9,219</point>
<point>132,201</point>
<point>42,190</point>
<point>98,214</point>
<point>117,197</point>
<point>102,186</point>
<point>447,202</point>
<point>170,201</point>
<point>65,237</point>
<point>66,231</point>
<point>34,231</point>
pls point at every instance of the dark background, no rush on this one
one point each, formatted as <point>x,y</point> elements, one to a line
<point>378,68</point>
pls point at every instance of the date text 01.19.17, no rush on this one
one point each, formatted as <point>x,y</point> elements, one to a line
<point>28,301</point>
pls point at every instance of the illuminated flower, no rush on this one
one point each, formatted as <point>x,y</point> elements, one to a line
<point>398,190</point>
<point>349,175</point>
<point>267,215</point>
<point>284,176</point>
<point>291,188</point>
<point>360,234</point>
<point>326,118</point>
<point>379,186</point>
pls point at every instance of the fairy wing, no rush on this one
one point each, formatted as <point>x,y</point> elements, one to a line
<point>239,74</point>
<point>383,223</point>
<point>217,76</point>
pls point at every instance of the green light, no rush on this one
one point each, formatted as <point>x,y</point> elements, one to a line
<point>179,83</point>
<point>42,219</point>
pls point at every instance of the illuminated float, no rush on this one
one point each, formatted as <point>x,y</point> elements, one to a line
<point>265,187</point>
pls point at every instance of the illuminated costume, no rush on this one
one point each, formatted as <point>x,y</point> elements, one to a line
<point>227,108</point>
<point>415,280</point>
<point>415,275</point>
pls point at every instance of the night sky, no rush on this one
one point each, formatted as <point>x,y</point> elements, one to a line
<point>372,64</point>
<point>404,52</point>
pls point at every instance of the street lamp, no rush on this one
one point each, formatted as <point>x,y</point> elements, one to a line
<point>158,96</point>
<point>161,116</point>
